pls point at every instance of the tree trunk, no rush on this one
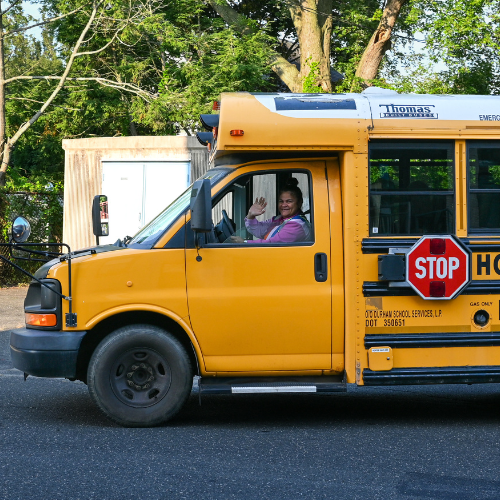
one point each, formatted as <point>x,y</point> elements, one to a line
<point>379,44</point>
<point>313,23</point>
<point>3,142</point>
<point>132,129</point>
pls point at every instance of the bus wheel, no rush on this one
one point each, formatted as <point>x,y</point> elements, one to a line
<point>140,376</point>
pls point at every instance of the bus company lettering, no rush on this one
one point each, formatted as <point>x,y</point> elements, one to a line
<point>489,118</point>
<point>379,314</point>
<point>398,317</point>
<point>404,313</point>
<point>407,111</point>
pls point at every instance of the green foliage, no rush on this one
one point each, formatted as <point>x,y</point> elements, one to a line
<point>463,37</point>
<point>309,84</point>
<point>353,26</point>
<point>182,51</point>
<point>81,109</point>
<point>39,151</point>
<point>200,63</point>
<point>451,81</point>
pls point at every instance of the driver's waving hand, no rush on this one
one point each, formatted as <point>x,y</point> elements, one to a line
<point>289,227</point>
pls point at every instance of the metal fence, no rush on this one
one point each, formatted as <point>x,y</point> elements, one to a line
<point>44,211</point>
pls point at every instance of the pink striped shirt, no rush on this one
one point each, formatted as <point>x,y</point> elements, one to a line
<point>279,230</point>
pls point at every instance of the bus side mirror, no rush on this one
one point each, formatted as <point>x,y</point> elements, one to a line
<point>100,217</point>
<point>201,209</point>
<point>21,230</point>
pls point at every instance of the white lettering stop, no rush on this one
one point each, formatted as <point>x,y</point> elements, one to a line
<point>437,267</point>
<point>442,267</point>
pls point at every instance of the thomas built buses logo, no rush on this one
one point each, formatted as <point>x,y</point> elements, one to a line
<point>407,111</point>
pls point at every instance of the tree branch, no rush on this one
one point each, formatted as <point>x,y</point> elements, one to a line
<point>12,5</point>
<point>233,18</point>
<point>128,87</point>
<point>286,71</point>
<point>25,126</point>
<point>379,44</point>
<point>39,102</point>
<point>101,49</point>
<point>47,21</point>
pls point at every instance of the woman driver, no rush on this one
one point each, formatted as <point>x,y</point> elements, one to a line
<point>290,226</point>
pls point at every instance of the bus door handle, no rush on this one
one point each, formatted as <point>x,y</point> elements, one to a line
<point>320,267</point>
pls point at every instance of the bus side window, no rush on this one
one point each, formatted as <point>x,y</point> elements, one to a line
<point>483,159</point>
<point>411,188</point>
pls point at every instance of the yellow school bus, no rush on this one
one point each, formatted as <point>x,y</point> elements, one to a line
<point>336,239</point>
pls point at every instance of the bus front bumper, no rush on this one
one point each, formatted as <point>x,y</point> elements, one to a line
<point>45,353</point>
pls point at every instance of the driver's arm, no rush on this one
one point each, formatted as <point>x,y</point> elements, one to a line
<point>258,228</point>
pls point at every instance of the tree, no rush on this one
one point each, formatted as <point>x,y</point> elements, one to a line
<point>40,150</point>
<point>314,23</point>
<point>98,28</point>
<point>379,43</point>
<point>201,58</point>
<point>463,38</point>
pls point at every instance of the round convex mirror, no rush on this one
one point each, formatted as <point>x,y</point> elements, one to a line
<point>21,230</point>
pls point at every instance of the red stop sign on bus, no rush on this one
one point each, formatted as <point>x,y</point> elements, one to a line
<point>438,267</point>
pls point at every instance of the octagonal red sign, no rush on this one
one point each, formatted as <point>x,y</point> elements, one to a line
<point>438,267</point>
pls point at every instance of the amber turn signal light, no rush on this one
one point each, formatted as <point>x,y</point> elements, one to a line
<point>236,133</point>
<point>41,319</point>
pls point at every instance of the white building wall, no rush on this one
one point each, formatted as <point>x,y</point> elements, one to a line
<point>84,167</point>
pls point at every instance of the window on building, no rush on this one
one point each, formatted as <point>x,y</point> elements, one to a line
<point>484,186</point>
<point>411,188</point>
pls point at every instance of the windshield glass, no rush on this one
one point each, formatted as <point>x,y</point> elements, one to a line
<point>150,233</point>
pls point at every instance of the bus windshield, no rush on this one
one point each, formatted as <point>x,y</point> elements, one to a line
<point>150,233</point>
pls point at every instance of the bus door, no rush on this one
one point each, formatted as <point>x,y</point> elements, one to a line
<point>264,306</point>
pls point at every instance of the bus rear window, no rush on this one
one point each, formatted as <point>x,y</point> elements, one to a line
<point>411,188</point>
<point>484,187</point>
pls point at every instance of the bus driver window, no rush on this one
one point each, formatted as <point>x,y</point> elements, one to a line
<point>289,226</point>
<point>265,209</point>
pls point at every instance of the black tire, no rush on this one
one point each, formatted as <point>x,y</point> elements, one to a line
<point>140,376</point>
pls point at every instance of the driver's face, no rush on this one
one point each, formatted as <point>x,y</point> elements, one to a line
<point>288,205</point>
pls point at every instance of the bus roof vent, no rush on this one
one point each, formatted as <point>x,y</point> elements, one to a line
<point>378,90</point>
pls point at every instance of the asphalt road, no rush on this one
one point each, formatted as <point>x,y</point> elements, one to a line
<point>397,443</point>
